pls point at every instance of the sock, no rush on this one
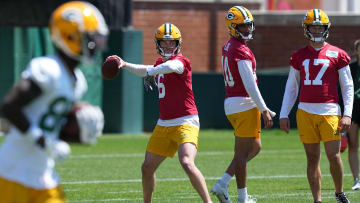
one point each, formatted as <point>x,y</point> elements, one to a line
<point>242,192</point>
<point>226,178</point>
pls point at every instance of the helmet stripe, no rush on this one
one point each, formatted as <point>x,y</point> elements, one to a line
<point>317,16</point>
<point>243,12</point>
<point>167,29</point>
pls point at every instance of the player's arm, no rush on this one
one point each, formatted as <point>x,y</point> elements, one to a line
<point>347,91</point>
<point>172,66</point>
<point>252,89</point>
<point>14,102</point>
<point>148,70</point>
<point>289,99</point>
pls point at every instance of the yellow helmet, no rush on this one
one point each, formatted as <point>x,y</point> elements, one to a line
<point>316,17</point>
<point>238,15</point>
<point>167,31</point>
<point>78,29</point>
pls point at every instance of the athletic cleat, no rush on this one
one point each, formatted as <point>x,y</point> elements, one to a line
<point>249,199</point>
<point>356,185</point>
<point>221,192</point>
<point>341,198</point>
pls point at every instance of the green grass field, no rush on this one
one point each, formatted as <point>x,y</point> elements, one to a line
<point>110,171</point>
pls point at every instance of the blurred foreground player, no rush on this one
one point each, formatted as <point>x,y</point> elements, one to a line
<point>178,126</point>
<point>38,104</point>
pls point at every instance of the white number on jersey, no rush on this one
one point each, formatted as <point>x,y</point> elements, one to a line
<point>317,80</point>
<point>161,86</point>
<point>56,112</point>
<point>228,79</point>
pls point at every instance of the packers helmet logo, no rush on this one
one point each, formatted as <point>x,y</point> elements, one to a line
<point>230,16</point>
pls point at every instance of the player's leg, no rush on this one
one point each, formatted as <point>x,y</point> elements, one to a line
<point>243,147</point>
<point>330,135</point>
<point>310,137</point>
<point>187,153</point>
<point>353,154</point>
<point>156,151</point>
<point>313,169</point>
<point>255,150</point>
<point>148,168</point>
<point>332,149</point>
<point>246,125</point>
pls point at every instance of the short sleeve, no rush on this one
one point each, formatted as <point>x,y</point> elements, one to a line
<point>242,54</point>
<point>293,61</point>
<point>344,60</point>
<point>42,72</point>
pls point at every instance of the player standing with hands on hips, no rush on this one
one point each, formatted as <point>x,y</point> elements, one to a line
<point>38,104</point>
<point>178,126</point>
<point>316,69</point>
<point>243,104</point>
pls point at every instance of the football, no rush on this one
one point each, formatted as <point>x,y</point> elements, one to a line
<point>110,68</point>
<point>70,132</point>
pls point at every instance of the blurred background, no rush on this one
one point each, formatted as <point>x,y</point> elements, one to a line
<point>127,107</point>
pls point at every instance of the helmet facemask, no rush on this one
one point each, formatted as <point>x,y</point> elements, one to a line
<point>310,36</point>
<point>163,53</point>
<point>167,32</point>
<point>92,43</point>
<point>247,35</point>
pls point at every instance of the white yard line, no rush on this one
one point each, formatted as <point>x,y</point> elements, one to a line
<point>307,195</point>
<point>182,179</point>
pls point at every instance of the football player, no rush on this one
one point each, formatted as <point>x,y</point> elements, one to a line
<point>177,128</point>
<point>37,105</point>
<point>353,132</point>
<point>243,103</point>
<point>317,68</point>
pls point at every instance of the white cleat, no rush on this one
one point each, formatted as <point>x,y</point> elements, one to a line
<point>356,185</point>
<point>249,199</point>
<point>221,192</point>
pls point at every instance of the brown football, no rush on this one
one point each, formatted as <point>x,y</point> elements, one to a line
<point>110,68</point>
<point>70,131</point>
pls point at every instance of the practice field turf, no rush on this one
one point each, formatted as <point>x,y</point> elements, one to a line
<point>110,171</point>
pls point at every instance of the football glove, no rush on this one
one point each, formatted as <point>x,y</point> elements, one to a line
<point>91,123</point>
<point>55,148</point>
<point>149,83</point>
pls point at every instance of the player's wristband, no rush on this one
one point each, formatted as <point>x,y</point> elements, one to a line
<point>34,132</point>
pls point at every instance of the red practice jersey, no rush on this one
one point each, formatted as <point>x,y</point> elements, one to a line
<point>319,72</point>
<point>176,98</point>
<point>233,51</point>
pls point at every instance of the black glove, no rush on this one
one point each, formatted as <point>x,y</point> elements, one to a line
<point>149,83</point>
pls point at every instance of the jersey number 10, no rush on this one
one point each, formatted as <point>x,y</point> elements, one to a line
<point>228,78</point>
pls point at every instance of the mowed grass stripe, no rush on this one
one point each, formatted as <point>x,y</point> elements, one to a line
<point>89,156</point>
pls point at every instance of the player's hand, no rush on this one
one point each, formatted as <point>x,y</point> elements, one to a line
<point>285,124</point>
<point>268,122</point>
<point>149,83</point>
<point>119,60</point>
<point>91,123</point>
<point>55,148</point>
<point>344,124</point>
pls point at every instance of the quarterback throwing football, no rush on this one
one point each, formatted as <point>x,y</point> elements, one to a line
<point>178,126</point>
<point>316,69</point>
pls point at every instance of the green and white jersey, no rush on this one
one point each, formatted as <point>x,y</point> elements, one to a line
<point>21,160</point>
